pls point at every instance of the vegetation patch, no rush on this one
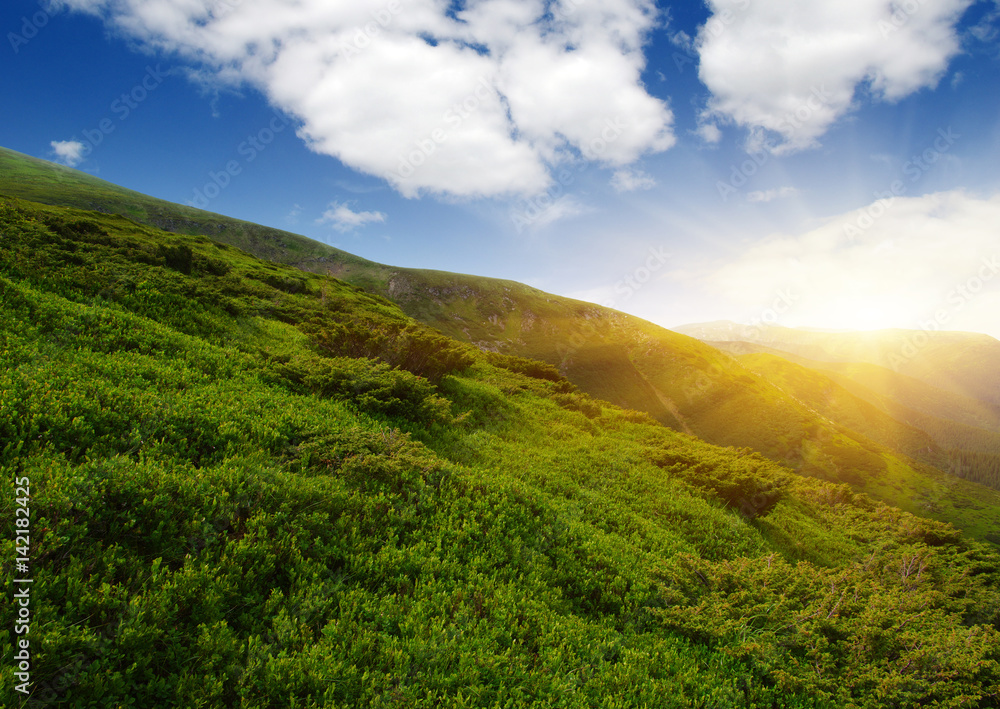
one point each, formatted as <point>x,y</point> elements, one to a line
<point>246,493</point>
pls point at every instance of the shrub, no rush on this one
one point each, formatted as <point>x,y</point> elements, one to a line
<point>408,346</point>
<point>177,257</point>
<point>370,386</point>
<point>530,368</point>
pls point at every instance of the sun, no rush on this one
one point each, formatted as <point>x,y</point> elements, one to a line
<point>853,311</point>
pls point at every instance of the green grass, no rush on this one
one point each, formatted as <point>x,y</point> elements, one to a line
<point>948,431</point>
<point>253,486</point>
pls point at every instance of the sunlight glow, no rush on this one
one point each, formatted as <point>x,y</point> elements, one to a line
<point>858,312</point>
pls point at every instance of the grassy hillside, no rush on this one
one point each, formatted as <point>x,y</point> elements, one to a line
<point>253,486</point>
<point>887,389</point>
<point>42,181</point>
<point>964,427</point>
<point>835,402</point>
<point>963,363</point>
<point>965,432</point>
<point>511,318</point>
<point>679,381</point>
<point>911,396</point>
<point>691,387</point>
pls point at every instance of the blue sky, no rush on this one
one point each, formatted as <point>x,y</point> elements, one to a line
<point>825,164</point>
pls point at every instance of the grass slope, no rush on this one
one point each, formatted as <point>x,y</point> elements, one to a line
<point>913,485</point>
<point>963,363</point>
<point>836,403</point>
<point>693,387</point>
<point>42,181</point>
<point>252,486</point>
<point>887,389</point>
<point>966,431</point>
<point>679,381</point>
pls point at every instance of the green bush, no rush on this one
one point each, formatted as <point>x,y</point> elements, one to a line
<point>407,346</point>
<point>177,257</point>
<point>371,386</point>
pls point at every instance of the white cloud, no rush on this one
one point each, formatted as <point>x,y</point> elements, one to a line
<point>987,29</point>
<point>540,211</point>
<point>565,207</point>
<point>769,195</point>
<point>793,68</point>
<point>632,180</point>
<point>68,152</point>
<point>895,263</point>
<point>710,133</point>
<point>481,102</point>
<point>344,219</point>
<point>683,40</point>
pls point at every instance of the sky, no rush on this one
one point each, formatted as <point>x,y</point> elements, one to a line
<point>831,163</point>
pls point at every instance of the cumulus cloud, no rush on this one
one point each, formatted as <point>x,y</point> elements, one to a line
<point>68,152</point>
<point>895,263</point>
<point>770,195</point>
<point>342,218</point>
<point>632,180</point>
<point>483,100</point>
<point>791,69</point>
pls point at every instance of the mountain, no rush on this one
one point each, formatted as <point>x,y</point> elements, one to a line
<point>965,429</point>
<point>823,394</point>
<point>964,363</point>
<point>679,381</point>
<point>244,484</point>
<point>898,394</point>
